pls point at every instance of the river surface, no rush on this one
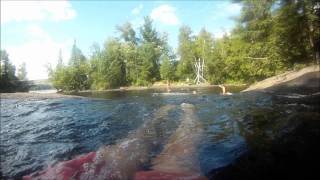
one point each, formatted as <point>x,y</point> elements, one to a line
<point>39,133</point>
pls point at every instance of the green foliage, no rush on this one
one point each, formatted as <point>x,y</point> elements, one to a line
<point>77,58</point>
<point>186,53</point>
<point>268,39</point>
<point>116,70</point>
<point>8,80</point>
<point>149,53</point>
<point>167,69</point>
<point>132,62</point>
<point>127,33</point>
<point>271,36</point>
<point>8,70</point>
<point>73,77</point>
<point>149,33</point>
<point>108,67</point>
<point>294,31</point>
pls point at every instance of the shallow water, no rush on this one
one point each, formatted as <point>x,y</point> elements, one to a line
<point>35,134</point>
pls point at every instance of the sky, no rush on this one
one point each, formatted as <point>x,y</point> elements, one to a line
<point>34,31</point>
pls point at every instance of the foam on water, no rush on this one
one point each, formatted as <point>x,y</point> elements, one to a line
<point>38,134</point>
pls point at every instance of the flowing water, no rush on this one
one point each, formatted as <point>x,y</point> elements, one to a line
<point>39,133</point>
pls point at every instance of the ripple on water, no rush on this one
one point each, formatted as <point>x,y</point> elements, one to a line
<point>35,134</point>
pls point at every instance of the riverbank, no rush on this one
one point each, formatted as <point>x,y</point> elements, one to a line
<point>41,95</point>
<point>304,81</point>
<point>159,85</point>
<point>35,96</point>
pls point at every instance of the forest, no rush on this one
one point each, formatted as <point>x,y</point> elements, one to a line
<point>9,81</point>
<point>271,36</point>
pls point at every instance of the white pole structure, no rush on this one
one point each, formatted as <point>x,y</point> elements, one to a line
<point>199,68</point>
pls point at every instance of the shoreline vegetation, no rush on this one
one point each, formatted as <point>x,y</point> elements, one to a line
<point>269,38</point>
<point>305,78</point>
<point>293,145</point>
<point>34,95</point>
<point>160,85</point>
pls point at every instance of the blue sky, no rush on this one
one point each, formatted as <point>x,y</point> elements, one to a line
<point>33,32</point>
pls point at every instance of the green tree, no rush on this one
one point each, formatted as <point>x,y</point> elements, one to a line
<point>149,53</point>
<point>132,61</point>
<point>74,77</point>
<point>77,58</point>
<point>108,68</point>
<point>58,75</point>
<point>127,33</point>
<point>149,33</point>
<point>8,81</point>
<point>78,70</point>
<point>116,72</point>
<point>216,66</point>
<point>295,31</point>
<point>203,48</point>
<point>167,69</point>
<point>148,69</point>
<point>7,69</point>
<point>129,49</point>
<point>96,67</point>
<point>186,53</point>
<point>252,45</point>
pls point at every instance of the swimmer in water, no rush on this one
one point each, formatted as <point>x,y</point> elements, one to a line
<point>178,160</point>
<point>224,92</point>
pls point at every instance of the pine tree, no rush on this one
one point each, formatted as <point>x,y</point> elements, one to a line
<point>186,53</point>
<point>167,69</point>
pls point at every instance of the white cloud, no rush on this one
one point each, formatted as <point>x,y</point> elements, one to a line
<point>36,11</point>
<point>221,32</point>
<point>36,32</point>
<point>233,8</point>
<point>137,10</point>
<point>226,10</point>
<point>40,51</point>
<point>165,14</point>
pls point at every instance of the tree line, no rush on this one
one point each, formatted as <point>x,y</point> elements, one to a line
<point>9,81</point>
<point>271,36</point>
<point>130,59</point>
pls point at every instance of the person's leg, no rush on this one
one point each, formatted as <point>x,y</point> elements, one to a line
<point>179,159</point>
<point>118,161</point>
<point>121,161</point>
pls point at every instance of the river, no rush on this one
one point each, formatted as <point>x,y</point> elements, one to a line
<point>39,133</point>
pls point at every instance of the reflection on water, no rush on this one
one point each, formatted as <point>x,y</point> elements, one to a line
<point>36,134</point>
